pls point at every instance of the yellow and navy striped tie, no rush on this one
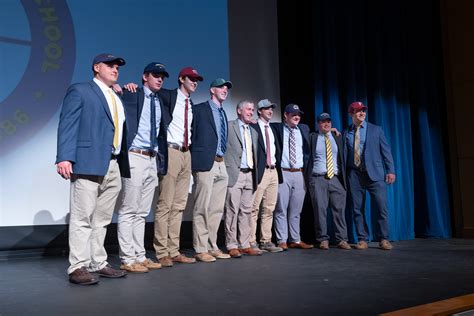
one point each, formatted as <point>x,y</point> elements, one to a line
<point>329,159</point>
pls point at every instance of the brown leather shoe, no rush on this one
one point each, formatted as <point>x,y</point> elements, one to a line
<point>283,246</point>
<point>219,254</point>
<point>150,264</point>
<point>183,259</point>
<point>83,277</point>
<point>235,253</point>
<point>384,244</point>
<point>361,245</point>
<point>324,245</point>
<point>134,268</point>
<point>250,251</point>
<point>300,245</point>
<point>109,272</point>
<point>204,257</point>
<point>166,262</point>
<point>344,245</point>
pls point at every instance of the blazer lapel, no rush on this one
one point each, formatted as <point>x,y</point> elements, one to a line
<point>236,130</point>
<point>103,100</point>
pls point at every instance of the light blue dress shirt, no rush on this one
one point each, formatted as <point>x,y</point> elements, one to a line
<point>285,158</point>
<point>320,166</point>
<point>142,139</point>
<point>217,120</point>
<point>350,144</point>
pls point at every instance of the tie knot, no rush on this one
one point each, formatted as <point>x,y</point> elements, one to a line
<point>266,126</point>
<point>246,126</point>
<point>152,95</point>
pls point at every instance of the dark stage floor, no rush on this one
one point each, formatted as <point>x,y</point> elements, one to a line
<point>296,282</point>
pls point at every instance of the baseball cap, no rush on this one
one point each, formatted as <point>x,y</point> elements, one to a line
<point>356,107</point>
<point>108,58</point>
<point>293,108</point>
<point>265,103</point>
<point>219,82</point>
<point>324,117</point>
<point>156,68</point>
<point>191,73</point>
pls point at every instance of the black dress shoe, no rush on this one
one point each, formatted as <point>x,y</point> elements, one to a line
<point>83,277</point>
<point>109,272</point>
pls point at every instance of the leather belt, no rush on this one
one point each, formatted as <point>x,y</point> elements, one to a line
<point>292,169</point>
<point>270,167</point>
<point>143,152</point>
<point>177,147</point>
<point>218,159</point>
<point>245,170</point>
<point>113,157</point>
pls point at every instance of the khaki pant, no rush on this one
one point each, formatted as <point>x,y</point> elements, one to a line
<point>266,196</point>
<point>209,198</point>
<point>92,202</point>
<point>173,195</point>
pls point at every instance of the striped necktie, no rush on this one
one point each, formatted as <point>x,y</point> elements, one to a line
<point>329,158</point>
<point>115,118</point>
<point>357,146</point>
<point>292,147</point>
<point>223,131</point>
<point>153,139</point>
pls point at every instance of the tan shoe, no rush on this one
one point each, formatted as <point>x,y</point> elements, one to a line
<point>219,254</point>
<point>183,259</point>
<point>283,246</point>
<point>344,245</point>
<point>166,262</point>
<point>384,244</point>
<point>204,257</point>
<point>134,268</point>
<point>235,253</point>
<point>250,251</point>
<point>300,245</point>
<point>362,245</point>
<point>324,245</point>
<point>150,264</point>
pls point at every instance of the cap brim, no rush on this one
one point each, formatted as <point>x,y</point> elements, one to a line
<point>118,61</point>
<point>199,78</point>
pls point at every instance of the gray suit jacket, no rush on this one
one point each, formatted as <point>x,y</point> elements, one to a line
<point>233,155</point>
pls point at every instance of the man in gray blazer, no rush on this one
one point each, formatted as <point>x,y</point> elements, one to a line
<point>241,164</point>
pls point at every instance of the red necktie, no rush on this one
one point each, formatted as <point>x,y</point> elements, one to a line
<point>186,109</point>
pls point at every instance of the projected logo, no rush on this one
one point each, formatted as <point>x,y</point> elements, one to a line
<point>38,94</point>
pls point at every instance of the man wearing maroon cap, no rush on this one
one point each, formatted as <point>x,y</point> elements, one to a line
<point>369,168</point>
<point>174,183</point>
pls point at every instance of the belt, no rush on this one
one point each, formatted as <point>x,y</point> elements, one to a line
<point>143,152</point>
<point>270,167</point>
<point>292,169</point>
<point>245,170</point>
<point>113,157</point>
<point>218,158</point>
<point>177,147</point>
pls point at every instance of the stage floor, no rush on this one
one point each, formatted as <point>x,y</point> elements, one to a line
<point>295,282</point>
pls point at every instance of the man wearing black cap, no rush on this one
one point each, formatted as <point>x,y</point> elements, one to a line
<point>292,160</point>
<point>147,121</point>
<point>326,182</point>
<point>209,144</point>
<point>370,168</point>
<point>267,190</point>
<point>92,153</point>
<point>174,182</point>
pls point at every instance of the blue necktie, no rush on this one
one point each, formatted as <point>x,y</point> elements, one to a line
<point>153,139</point>
<point>223,131</point>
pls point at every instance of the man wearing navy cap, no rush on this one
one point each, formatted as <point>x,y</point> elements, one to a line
<point>326,182</point>
<point>370,168</point>
<point>92,153</point>
<point>292,159</point>
<point>209,145</point>
<point>174,181</point>
<point>147,121</point>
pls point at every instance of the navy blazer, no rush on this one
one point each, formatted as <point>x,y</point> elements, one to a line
<point>204,137</point>
<point>376,156</point>
<point>261,153</point>
<point>133,103</point>
<point>86,132</point>
<point>278,132</point>
<point>340,157</point>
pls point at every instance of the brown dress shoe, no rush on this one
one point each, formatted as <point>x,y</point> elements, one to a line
<point>384,244</point>
<point>361,245</point>
<point>183,259</point>
<point>300,245</point>
<point>83,277</point>
<point>109,272</point>
<point>235,253</point>
<point>344,245</point>
<point>283,246</point>
<point>324,245</point>
<point>150,264</point>
<point>166,262</point>
<point>250,251</point>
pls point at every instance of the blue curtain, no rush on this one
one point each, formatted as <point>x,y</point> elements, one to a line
<point>387,54</point>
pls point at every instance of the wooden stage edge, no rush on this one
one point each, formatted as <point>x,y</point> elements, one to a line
<point>441,308</point>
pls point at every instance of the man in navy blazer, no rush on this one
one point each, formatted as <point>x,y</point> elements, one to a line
<point>147,122</point>
<point>370,168</point>
<point>292,140</point>
<point>208,147</point>
<point>92,153</point>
